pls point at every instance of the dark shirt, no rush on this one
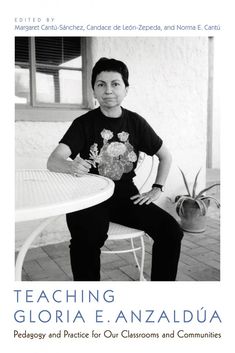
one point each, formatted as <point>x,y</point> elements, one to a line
<point>111,144</point>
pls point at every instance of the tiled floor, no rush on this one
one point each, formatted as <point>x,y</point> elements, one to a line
<point>199,260</point>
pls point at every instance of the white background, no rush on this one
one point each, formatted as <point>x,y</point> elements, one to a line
<point>168,296</point>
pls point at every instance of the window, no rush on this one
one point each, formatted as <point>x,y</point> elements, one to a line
<point>49,71</point>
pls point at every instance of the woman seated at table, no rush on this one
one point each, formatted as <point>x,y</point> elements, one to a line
<point>107,141</point>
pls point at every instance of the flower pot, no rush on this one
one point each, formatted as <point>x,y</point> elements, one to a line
<point>192,220</point>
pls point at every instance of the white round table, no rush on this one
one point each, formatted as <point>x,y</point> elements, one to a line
<point>43,194</point>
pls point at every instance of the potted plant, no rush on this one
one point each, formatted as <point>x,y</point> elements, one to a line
<point>192,207</point>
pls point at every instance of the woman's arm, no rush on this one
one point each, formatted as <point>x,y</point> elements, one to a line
<point>58,162</point>
<point>165,160</point>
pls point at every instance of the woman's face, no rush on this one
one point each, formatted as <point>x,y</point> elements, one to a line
<point>110,89</point>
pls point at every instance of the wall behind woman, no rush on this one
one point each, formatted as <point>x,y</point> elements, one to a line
<point>168,87</point>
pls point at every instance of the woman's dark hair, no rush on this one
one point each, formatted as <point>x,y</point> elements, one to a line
<point>105,64</point>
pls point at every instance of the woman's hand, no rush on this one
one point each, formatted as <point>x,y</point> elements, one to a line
<point>147,197</point>
<point>80,166</point>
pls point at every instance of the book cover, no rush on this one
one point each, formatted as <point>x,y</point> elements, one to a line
<point>180,60</point>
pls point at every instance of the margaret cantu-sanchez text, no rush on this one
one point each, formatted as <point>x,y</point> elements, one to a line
<point>55,307</point>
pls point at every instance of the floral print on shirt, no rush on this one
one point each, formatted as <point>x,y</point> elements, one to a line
<point>114,158</point>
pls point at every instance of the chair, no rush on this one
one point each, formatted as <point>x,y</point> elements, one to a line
<point>118,232</point>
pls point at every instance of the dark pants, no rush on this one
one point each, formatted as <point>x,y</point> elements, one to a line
<point>89,229</point>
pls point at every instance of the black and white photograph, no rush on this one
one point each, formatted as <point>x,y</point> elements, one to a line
<point>117,176</point>
<point>117,158</point>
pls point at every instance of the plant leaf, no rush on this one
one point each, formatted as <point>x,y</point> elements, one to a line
<point>202,206</point>
<point>195,184</point>
<point>212,198</point>
<point>180,209</point>
<point>179,204</point>
<point>185,183</point>
<point>206,189</point>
